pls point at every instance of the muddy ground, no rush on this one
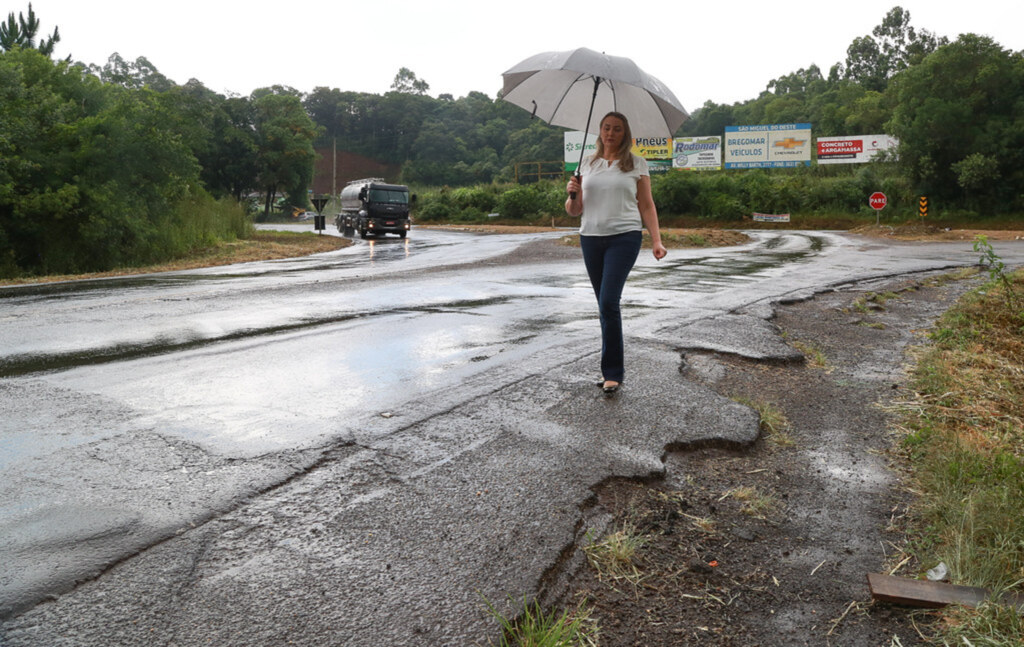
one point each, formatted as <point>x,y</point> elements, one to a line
<point>770,545</point>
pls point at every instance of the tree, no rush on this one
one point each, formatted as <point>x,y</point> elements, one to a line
<point>138,74</point>
<point>23,32</point>
<point>893,46</point>
<point>959,116</point>
<point>406,82</point>
<point>284,140</point>
<point>91,175</point>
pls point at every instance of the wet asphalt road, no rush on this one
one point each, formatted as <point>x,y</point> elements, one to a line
<point>360,447</point>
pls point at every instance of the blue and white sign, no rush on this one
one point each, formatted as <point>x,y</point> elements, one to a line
<point>768,146</point>
<point>697,153</point>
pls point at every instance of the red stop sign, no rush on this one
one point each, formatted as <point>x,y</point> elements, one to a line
<point>877,200</point>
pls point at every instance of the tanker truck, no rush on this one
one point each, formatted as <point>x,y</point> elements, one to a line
<point>372,207</point>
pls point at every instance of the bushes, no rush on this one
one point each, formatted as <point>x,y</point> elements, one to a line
<point>528,201</point>
<point>724,196</point>
<point>511,202</point>
<point>732,195</point>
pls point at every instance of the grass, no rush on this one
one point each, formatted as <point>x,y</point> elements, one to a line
<point>614,557</point>
<point>754,502</point>
<point>873,301</point>
<point>537,628</point>
<point>773,420</point>
<point>262,245</point>
<point>813,353</point>
<point>964,438</point>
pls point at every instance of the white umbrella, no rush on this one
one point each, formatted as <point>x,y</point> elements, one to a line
<point>564,88</point>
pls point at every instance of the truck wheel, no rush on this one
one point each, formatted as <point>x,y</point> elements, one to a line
<point>402,234</point>
<point>362,233</point>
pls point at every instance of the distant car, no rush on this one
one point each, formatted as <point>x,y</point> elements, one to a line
<point>306,215</point>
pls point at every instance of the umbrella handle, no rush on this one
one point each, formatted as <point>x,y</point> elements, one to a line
<point>572,194</point>
<point>590,113</point>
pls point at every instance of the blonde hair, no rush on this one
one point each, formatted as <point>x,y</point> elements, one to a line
<point>625,153</point>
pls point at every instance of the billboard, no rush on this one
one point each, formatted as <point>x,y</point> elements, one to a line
<point>769,146</point>
<point>653,148</point>
<point>697,153</point>
<point>853,149</point>
<point>656,150</point>
<point>573,145</point>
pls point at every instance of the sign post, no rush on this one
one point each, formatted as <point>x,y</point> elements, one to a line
<point>319,220</point>
<point>877,201</point>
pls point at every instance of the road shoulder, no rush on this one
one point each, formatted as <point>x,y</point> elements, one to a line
<point>770,544</point>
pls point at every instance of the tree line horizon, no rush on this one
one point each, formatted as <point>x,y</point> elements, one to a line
<point>113,152</point>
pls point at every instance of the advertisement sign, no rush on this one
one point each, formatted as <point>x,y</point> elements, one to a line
<point>853,149</point>
<point>573,144</point>
<point>771,217</point>
<point>656,150</point>
<point>697,153</point>
<point>653,148</point>
<point>769,146</point>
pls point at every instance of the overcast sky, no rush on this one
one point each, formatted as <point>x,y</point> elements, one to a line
<point>719,50</point>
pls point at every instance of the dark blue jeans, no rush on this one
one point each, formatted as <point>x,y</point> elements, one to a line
<point>608,260</point>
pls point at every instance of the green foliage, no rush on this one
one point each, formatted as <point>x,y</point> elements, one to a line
<point>510,201</point>
<point>738,194</point>
<point>997,272</point>
<point>965,442</point>
<point>23,32</point>
<point>530,201</point>
<point>958,115</point>
<point>92,175</point>
<point>134,76</point>
<point>537,628</point>
<point>406,81</point>
<point>893,46</point>
<point>284,146</point>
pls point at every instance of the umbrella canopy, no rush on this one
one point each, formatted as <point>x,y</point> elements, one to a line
<point>565,88</point>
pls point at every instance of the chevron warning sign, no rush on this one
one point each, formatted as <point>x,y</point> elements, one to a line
<point>922,209</point>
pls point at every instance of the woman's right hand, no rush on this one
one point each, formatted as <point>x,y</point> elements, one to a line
<point>574,186</point>
<point>574,203</point>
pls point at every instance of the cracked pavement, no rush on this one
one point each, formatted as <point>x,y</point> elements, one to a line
<point>385,521</point>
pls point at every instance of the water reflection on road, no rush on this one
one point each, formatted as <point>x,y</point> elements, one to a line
<point>205,382</point>
<point>369,326</point>
<point>714,270</point>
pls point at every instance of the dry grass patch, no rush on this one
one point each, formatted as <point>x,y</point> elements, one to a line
<point>753,502</point>
<point>263,246</point>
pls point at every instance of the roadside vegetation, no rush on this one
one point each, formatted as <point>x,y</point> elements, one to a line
<point>963,433</point>
<point>113,165</point>
<point>259,246</point>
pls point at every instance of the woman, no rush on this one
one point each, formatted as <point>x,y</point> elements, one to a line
<point>613,196</point>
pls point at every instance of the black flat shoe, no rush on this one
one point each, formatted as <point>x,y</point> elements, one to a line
<point>610,388</point>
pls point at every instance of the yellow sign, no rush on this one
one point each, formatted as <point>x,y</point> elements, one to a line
<point>653,148</point>
<point>789,143</point>
<point>923,207</point>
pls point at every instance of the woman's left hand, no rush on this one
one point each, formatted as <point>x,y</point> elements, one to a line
<point>659,251</point>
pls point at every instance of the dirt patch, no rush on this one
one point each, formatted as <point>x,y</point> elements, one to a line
<point>921,232</point>
<point>770,545</point>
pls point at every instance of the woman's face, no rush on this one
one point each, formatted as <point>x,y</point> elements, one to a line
<point>612,132</point>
